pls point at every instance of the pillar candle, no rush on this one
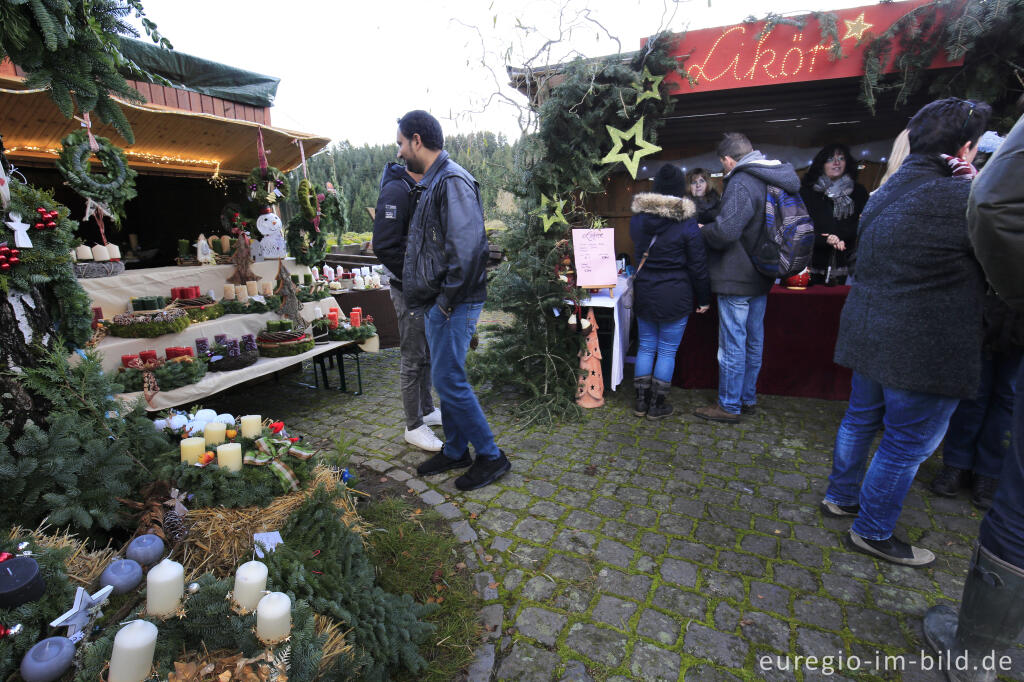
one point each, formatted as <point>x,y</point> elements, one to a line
<point>214,433</point>
<point>225,244</point>
<point>218,340</point>
<point>165,585</point>
<point>83,252</point>
<point>132,657</point>
<point>229,455</point>
<point>332,319</point>
<point>241,293</point>
<point>355,317</point>
<point>252,287</point>
<point>229,292</point>
<point>147,355</point>
<point>250,583</point>
<point>20,582</point>
<point>47,660</point>
<point>146,549</point>
<point>202,344</point>
<point>128,359</point>
<point>114,251</point>
<point>124,575</point>
<point>266,288</point>
<point>100,253</point>
<point>252,426</point>
<point>191,448</point>
<point>274,617</point>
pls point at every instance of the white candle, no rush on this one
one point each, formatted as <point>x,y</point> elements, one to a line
<point>252,426</point>
<point>191,448</point>
<point>100,253</point>
<point>250,583</point>
<point>274,617</point>
<point>252,287</point>
<point>114,251</point>
<point>266,288</point>
<point>229,292</point>
<point>165,584</point>
<point>132,657</point>
<point>229,456</point>
<point>83,252</point>
<point>241,293</point>
<point>214,433</point>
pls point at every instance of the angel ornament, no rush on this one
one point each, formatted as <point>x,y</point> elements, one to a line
<point>204,254</point>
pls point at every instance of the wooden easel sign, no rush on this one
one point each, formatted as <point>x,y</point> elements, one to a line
<point>594,253</point>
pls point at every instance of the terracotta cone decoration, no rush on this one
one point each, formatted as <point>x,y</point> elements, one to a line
<point>590,392</point>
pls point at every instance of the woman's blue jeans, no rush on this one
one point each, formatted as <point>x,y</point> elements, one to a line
<point>661,340</point>
<point>914,425</point>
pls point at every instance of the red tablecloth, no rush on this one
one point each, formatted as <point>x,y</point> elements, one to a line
<point>800,330</point>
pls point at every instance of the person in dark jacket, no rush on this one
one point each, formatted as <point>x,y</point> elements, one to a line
<point>444,275</point>
<point>395,204</point>
<point>911,327</point>
<point>671,284</point>
<point>742,290</point>
<point>834,201</point>
<point>704,195</point>
<point>991,614</point>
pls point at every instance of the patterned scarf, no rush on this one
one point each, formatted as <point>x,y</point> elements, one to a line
<point>960,168</point>
<point>839,192</point>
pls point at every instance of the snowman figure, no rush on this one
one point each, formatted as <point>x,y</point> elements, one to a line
<point>269,225</point>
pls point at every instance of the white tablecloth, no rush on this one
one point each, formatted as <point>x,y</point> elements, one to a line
<point>623,316</point>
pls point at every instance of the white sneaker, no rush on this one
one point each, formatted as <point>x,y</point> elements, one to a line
<point>434,418</point>
<point>423,438</point>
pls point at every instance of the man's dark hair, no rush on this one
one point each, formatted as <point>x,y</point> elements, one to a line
<point>735,146</point>
<point>824,155</point>
<point>419,122</point>
<point>943,126</point>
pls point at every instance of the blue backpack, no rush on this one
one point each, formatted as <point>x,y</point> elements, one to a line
<point>787,240</point>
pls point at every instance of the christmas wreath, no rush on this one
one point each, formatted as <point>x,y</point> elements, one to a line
<point>266,187</point>
<point>271,304</point>
<point>113,187</point>
<point>169,375</point>
<point>360,333</point>
<point>305,242</point>
<point>307,199</point>
<point>137,326</point>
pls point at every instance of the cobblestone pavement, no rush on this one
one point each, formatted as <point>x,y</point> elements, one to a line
<point>626,549</point>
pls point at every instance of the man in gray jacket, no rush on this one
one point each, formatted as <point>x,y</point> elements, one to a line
<point>742,290</point>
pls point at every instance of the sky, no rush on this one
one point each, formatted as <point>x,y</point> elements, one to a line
<point>348,70</point>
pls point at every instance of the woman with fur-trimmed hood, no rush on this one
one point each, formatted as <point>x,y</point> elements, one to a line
<point>670,284</point>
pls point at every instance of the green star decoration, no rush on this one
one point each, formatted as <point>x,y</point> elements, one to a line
<point>629,161</point>
<point>550,212</point>
<point>652,91</point>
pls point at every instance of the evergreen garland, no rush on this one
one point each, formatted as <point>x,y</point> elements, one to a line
<point>334,211</point>
<point>173,321</point>
<point>113,188</point>
<point>169,375</point>
<point>210,311</point>
<point>261,185</point>
<point>305,243</point>
<point>233,307</point>
<point>364,331</point>
<point>284,350</point>
<point>324,563</point>
<point>213,486</point>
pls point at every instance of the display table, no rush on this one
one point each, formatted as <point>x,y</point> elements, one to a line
<point>619,303</point>
<point>375,302</point>
<point>800,331</point>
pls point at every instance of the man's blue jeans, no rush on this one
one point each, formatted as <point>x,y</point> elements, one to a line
<point>1002,529</point>
<point>914,425</point>
<point>659,339</point>
<point>464,422</point>
<point>740,340</point>
<point>980,434</point>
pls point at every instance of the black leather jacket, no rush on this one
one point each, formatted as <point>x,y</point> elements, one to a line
<point>446,252</point>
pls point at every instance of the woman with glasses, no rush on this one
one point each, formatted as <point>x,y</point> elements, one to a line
<point>834,201</point>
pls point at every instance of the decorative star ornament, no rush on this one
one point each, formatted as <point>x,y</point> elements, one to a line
<point>631,162</point>
<point>855,29</point>
<point>648,84</point>
<point>21,239</point>
<point>83,611</point>
<point>550,212</point>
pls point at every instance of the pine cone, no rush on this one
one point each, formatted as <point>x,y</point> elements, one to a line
<point>174,527</point>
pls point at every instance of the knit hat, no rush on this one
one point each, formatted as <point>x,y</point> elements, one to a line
<point>670,180</point>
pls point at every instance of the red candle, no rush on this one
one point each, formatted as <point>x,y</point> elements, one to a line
<point>127,360</point>
<point>332,318</point>
<point>188,351</point>
<point>355,317</point>
<point>172,352</point>
<point>196,292</point>
<point>147,356</point>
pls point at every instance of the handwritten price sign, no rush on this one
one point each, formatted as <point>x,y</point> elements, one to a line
<point>594,251</point>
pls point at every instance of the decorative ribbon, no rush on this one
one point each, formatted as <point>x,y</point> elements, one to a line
<point>4,556</point>
<point>261,152</point>
<point>95,209</point>
<point>270,451</point>
<point>86,123</point>
<point>149,385</point>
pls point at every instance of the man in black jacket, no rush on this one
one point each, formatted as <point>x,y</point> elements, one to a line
<point>395,205</point>
<point>445,275</point>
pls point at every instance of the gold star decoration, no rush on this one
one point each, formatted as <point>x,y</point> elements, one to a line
<point>648,85</point>
<point>550,212</point>
<point>856,28</point>
<point>630,161</point>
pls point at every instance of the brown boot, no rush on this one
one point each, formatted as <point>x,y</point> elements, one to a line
<point>716,413</point>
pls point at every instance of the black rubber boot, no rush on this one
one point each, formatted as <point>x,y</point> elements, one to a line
<point>990,619</point>
<point>643,395</point>
<point>660,406</point>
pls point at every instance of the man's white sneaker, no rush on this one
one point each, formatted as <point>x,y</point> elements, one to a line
<point>434,418</point>
<point>423,438</point>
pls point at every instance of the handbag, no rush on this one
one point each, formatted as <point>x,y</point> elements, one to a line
<point>632,278</point>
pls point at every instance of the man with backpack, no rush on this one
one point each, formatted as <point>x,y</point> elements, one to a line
<point>742,288</point>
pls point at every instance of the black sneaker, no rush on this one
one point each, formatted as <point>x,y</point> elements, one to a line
<point>839,510</point>
<point>441,462</point>
<point>485,470</point>
<point>748,409</point>
<point>950,480</point>
<point>984,490</point>
<point>893,549</point>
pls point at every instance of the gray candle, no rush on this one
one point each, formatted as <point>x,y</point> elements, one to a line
<point>124,575</point>
<point>146,549</point>
<point>47,660</point>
